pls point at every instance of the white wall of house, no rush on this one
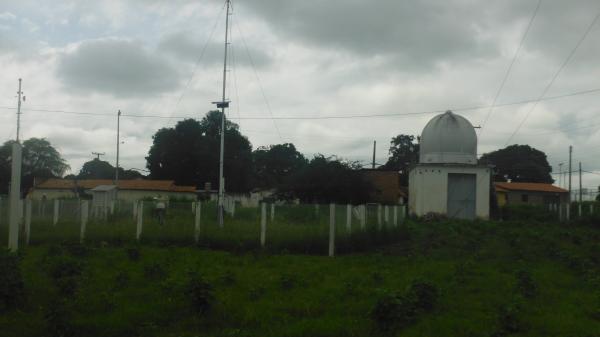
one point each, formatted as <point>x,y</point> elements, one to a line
<point>428,188</point>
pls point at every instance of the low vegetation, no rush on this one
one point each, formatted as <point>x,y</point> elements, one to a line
<point>444,278</point>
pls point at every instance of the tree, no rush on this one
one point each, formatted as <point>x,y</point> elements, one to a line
<point>39,160</point>
<point>404,151</point>
<point>519,163</point>
<point>328,179</point>
<point>100,169</point>
<point>273,165</point>
<point>189,154</point>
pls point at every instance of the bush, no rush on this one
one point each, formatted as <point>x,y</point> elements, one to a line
<point>133,253</point>
<point>200,294</point>
<point>525,284</point>
<point>154,271</point>
<point>525,212</point>
<point>62,267</point>
<point>509,321</point>
<point>57,321</point>
<point>397,311</point>
<point>12,289</point>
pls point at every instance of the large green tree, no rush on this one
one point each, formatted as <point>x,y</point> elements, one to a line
<point>519,163</point>
<point>100,169</point>
<point>404,151</point>
<point>274,164</point>
<point>39,160</point>
<point>189,154</point>
<point>328,179</point>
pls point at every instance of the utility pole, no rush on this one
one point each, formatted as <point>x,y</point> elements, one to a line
<point>374,150</point>
<point>580,187</point>
<point>570,174</point>
<point>19,93</point>
<point>223,104</point>
<point>118,143</point>
<point>560,180</point>
<point>98,154</point>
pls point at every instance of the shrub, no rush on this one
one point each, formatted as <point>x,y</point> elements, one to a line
<point>12,289</point>
<point>61,267</point>
<point>133,253</point>
<point>77,249</point>
<point>155,271</point>
<point>57,321</point>
<point>509,321</point>
<point>288,281</point>
<point>525,212</point>
<point>525,284</point>
<point>397,311</point>
<point>200,293</point>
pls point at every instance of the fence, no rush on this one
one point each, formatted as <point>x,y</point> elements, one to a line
<point>303,228</point>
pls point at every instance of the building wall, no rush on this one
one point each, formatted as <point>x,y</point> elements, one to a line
<point>535,198</point>
<point>127,195</point>
<point>386,185</point>
<point>428,188</point>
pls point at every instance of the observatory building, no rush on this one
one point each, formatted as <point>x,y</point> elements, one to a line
<point>447,180</point>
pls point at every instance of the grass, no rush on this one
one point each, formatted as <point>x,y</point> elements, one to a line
<point>478,268</point>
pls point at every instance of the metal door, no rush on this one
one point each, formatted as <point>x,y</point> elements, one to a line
<point>461,196</point>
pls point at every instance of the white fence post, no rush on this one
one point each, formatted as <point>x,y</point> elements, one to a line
<point>232,208</point>
<point>15,197</point>
<point>56,210</point>
<point>591,209</point>
<point>386,215</point>
<point>560,212</point>
<point>379,216</point>
<point>272,212</point>
<point>135,207</point>
<point>140,219</point>
<point>263,224</point>
<point>193,207</point>
<point>349,218</point>
<point>363,217</point>
<point>198,212</point>
<point>331,230</point>
<point>27,220</point>
<point>85,210</point>
<point>579,209</point>
<point>395,215</point>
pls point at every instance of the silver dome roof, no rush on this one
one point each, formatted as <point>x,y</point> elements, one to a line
<point>450,139</point>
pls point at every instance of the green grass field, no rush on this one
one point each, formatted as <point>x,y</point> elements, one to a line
<point>490,279</point>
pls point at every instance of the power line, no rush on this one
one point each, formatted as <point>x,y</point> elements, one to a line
<point>405,114</point>
<point>510,66</point>
<point>562,66</point>
<point>262,90</point>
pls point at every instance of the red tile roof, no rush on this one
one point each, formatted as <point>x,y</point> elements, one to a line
<point>136,184</point>
<point>534,187</point>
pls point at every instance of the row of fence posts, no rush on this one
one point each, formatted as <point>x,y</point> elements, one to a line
<point>564,211</point>
<point>360,213</point>
<point>138,215</point>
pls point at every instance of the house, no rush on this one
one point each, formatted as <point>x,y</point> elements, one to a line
<point>530,193</point>
<point>448,180</point>
<point>386,186</point>
<point>129,190</point>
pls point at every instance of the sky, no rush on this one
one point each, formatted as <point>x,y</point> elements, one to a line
<point>406,60</point>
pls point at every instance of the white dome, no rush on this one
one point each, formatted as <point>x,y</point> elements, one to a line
<point>450,139</point>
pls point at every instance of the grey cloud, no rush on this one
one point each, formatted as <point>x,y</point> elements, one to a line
<point>184,46</point>
<point>117,67</point>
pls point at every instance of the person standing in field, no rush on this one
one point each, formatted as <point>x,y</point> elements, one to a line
<point>160,210</point>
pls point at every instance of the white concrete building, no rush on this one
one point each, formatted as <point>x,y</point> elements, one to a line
<point>447,180</point>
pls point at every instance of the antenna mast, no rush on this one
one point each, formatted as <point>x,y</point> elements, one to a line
<point>222,105</point>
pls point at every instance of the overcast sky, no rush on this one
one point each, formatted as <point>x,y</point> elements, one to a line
<point>302,58</point>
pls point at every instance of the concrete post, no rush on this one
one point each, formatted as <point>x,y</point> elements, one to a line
<point>15,196</point>
<point>140,219</point>
<point>85,210</point>
<point>135,207</point>
<point>591,209</point>
<point>560,212</point>
<point>363,217</point>
<point>379,216</point>
<point>331,230</point>
<point>198,212</point>
<point>580,211</point>
<point>386,215</point>
<point>349,218</point>
<point>232,208</point>
<point>395,215</point>
<point>193,207</point>
<point>263,224</point>
<point>272,212</point>
<point>27,220</point>
<point>56,209</point>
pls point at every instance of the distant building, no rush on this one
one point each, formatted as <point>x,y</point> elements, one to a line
<point>530,193</point>
<point>386,186</point>
<point>127,189</point>
<point>447,180</point>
